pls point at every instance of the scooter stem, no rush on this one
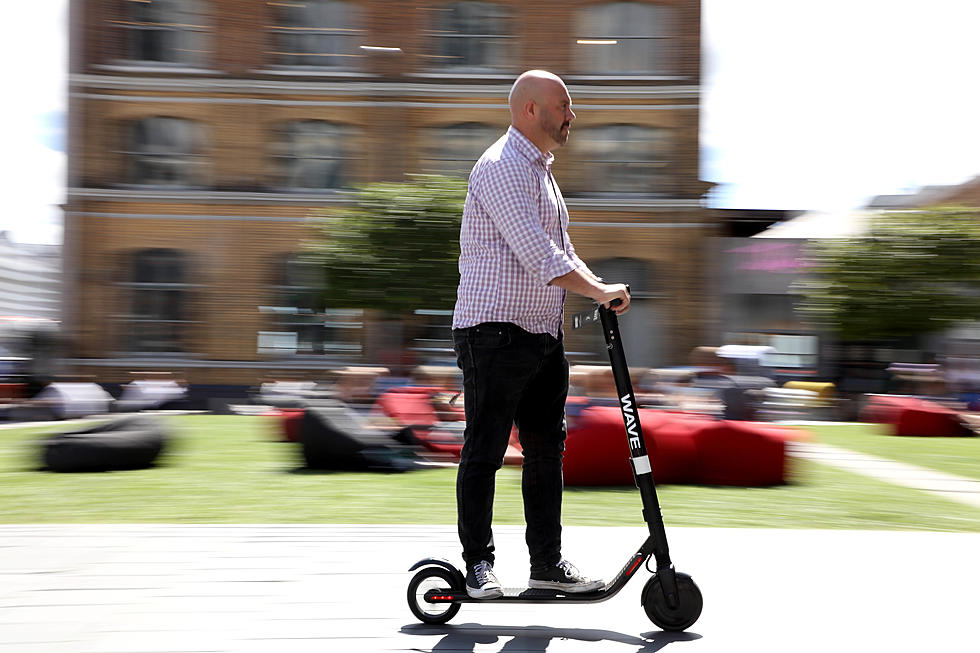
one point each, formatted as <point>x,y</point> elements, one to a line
<point>639,459</point>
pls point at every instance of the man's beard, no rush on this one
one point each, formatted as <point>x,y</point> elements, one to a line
<point>559,136</point>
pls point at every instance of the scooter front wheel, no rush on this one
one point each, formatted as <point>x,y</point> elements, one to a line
<point>674,619</point>
<point>432,578</point>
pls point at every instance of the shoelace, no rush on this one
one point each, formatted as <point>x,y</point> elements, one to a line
<point>569,569</point>
<point>484,573</point>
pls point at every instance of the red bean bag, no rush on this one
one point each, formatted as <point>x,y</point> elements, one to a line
<point>930,419</point>
<point>743,453</point>
<point>911,416</point>
<point>597,452</point>
<point>292,419</point>
<point>883,409</point>
<point>412,406</point>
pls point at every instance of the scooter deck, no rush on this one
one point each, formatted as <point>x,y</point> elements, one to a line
<point>522,594</point>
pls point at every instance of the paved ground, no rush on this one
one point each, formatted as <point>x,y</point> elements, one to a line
<point>296,588</point>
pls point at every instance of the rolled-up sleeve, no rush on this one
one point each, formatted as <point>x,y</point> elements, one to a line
<point>579,263</point>
<point>507,193</point>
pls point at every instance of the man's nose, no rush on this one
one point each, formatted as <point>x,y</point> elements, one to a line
<point>571,116</point>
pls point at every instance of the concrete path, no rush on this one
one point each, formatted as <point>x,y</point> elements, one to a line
<point>299,588</point>
<point>948,486</point>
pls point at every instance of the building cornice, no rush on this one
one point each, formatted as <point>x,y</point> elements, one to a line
<point>214,86</point>
<point>168,362</point>
<point>208,196</point>
<point>446,103</point>
<point>336,198</point>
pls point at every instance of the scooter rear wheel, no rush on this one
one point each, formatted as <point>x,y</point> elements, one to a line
<point>432,578</point>
<point>688,609</point>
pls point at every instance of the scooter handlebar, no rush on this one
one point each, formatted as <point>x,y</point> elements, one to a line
<point>617,301</point>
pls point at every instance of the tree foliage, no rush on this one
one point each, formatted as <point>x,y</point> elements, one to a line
<point>913,273</point>
<point>395,248</point>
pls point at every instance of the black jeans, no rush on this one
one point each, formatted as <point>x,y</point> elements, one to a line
<point>511,377</point>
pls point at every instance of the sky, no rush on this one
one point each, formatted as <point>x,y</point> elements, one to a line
<point>806,105</point>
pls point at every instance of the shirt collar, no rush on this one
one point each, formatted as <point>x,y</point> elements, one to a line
<point>524,145</point>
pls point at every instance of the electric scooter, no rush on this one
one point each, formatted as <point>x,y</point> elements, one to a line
<point>670,599</point>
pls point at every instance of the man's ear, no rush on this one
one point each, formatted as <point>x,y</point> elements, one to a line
<point>529,108</point>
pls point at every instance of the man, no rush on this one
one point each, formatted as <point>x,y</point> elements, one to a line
<point>516,264</point>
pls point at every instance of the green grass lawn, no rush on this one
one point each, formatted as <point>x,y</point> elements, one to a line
<point>951,455</point>
<point>234,470</point>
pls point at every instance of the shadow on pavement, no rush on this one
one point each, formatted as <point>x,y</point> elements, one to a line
<point>465,637</point>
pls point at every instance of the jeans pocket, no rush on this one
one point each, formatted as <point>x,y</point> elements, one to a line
<point>490,336</point>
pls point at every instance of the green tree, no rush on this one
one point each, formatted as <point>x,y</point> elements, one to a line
<point>913,273</point>
<point>395,248</point>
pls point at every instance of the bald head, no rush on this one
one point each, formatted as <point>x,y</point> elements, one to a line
<point>540,108</point>
<point>533,85</point>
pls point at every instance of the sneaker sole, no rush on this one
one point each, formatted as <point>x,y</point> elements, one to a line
<point>492,593</point>
<point>566,587</point>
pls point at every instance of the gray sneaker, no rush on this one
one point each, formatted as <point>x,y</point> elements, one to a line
<point>481,582</point>
<point>564,577</point>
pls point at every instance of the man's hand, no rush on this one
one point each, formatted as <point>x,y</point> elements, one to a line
<point>588,285</point>
<point>610,291</point>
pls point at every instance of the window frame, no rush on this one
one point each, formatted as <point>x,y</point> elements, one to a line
<point>134,343</point>
<point>131,27</point>
<point>665,160</point>
<point>665,18</point>
<point>193,160</point>
<point>276,57</point>
<point>433,34</point>
<point>280,157</point>
<point>434,133</point>
<point>330,320</point>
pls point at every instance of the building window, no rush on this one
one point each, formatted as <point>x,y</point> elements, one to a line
<point>453,149</point>
<point>318,33</point>
<point>165,152</point>
<point>625,159</point>
<point>170,32</point>
<point>471,36</point>
<point>623,38</point>
<point>645,334</point>
<point>312,155</point>
<point>299,323</point>
<point>159,290</point>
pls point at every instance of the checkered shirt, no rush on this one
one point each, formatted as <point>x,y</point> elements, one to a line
<point>513,240</point>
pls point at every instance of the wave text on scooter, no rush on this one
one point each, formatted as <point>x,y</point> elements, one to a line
<point>630,421</point>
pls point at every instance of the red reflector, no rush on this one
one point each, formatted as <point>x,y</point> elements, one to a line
<point>635,565</point>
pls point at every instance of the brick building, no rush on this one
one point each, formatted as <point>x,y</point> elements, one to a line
<point>202,134</point>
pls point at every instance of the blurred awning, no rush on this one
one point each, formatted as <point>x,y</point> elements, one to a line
<point>820,224</point>
<point>745,352</point>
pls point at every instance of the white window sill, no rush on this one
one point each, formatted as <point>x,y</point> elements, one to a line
<point>299,71</point>
<point>156,355</point>
<point>626,78</point>
<point>463,74</point>
<point>137,67</point>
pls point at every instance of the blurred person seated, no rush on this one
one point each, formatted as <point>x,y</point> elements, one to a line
<point>925,380</point>
<point>74,398</point>
<point>963,377</point>
<point>446,396</point>
<point>673,389</point>
<point>281,392</point>
<point>718,373</point>
<point>152,391</point>
<point>355,385</point>
<point>589,385</point>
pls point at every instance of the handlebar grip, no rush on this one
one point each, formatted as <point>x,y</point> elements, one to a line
<point>617,301</point>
